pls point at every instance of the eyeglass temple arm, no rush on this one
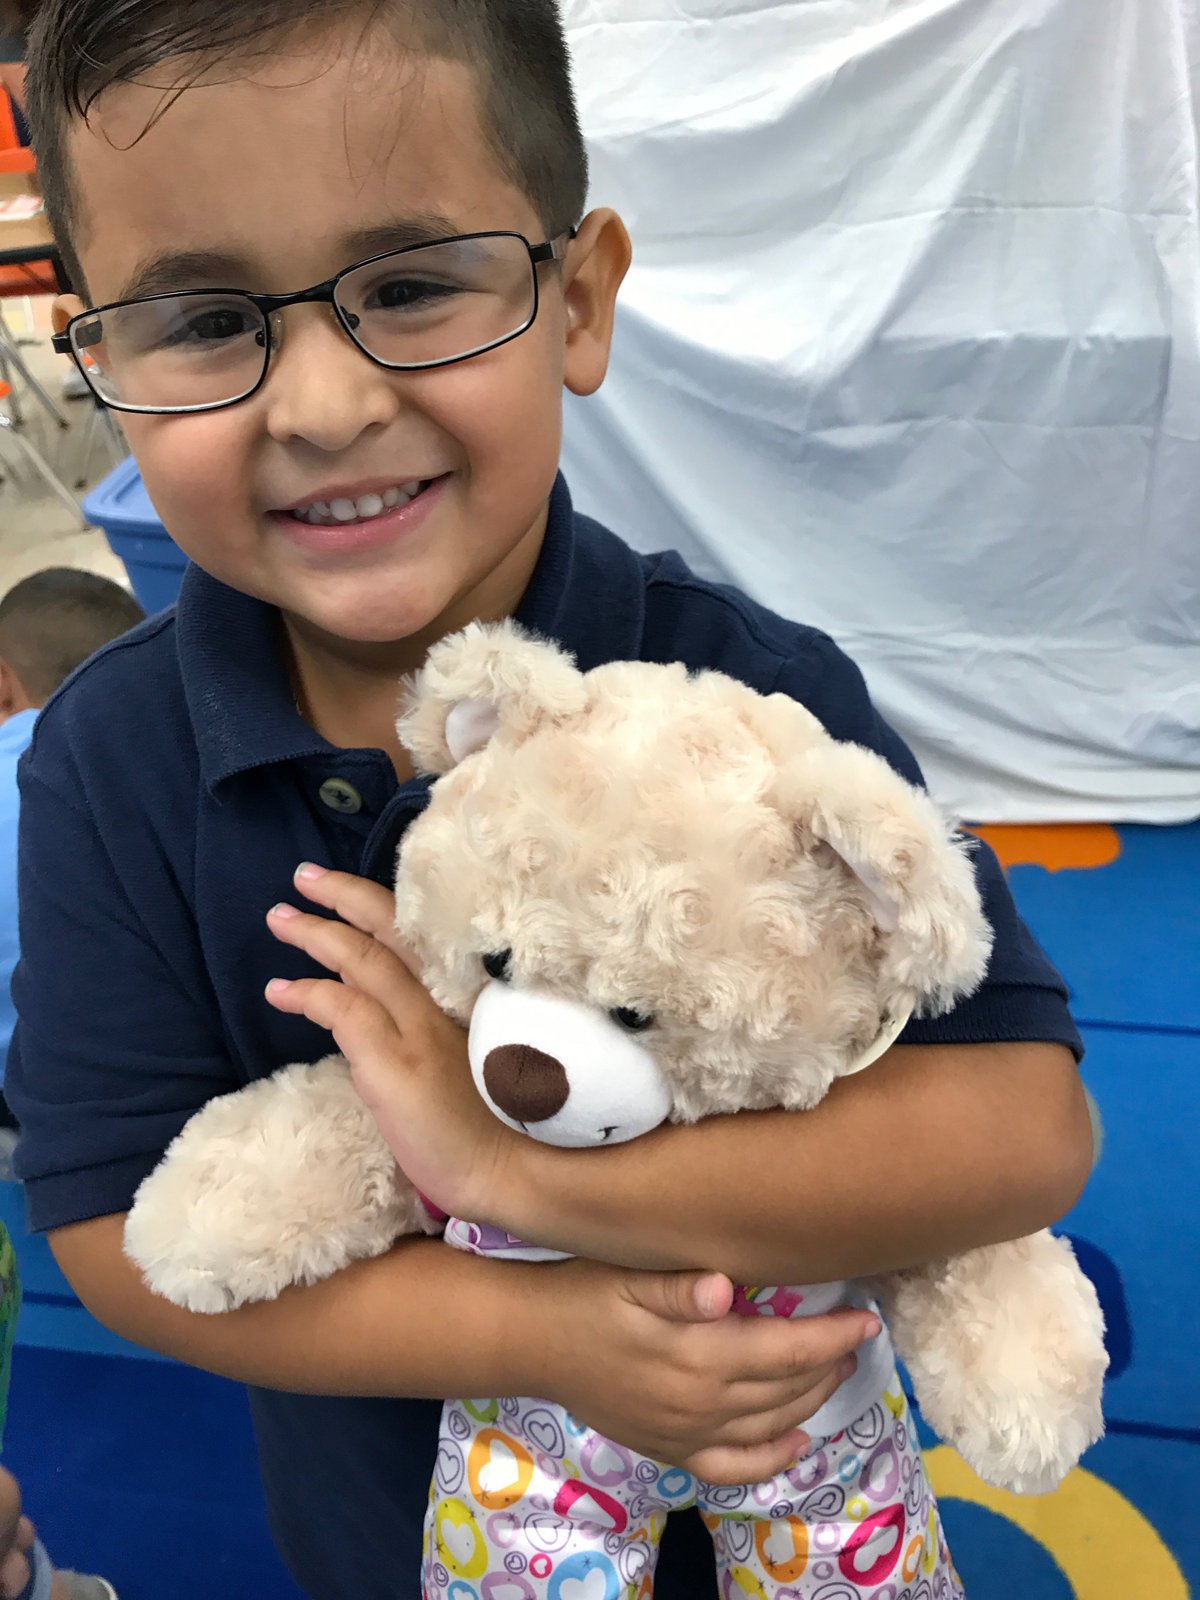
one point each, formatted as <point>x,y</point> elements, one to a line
<point>553,249</point>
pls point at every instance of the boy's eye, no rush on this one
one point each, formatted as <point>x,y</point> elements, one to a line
<point>632,1021</point>
<point>213,327</point>
<point>498,964</point>
<point>409,294</point>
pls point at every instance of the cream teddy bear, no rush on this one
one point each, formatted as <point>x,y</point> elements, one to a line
<point>652,896</point>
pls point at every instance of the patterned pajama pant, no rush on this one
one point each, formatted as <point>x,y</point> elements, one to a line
<point>528,1504</point>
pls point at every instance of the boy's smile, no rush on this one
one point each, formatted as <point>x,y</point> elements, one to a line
<point>378,509</point>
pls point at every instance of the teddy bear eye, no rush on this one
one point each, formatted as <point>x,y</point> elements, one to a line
<point>632,1021</point>
<point>498,964</point>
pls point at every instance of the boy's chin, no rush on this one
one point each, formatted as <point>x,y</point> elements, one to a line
<point>373,611</point>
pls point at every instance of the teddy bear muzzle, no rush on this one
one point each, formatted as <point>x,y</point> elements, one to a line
<point>563,1071</point>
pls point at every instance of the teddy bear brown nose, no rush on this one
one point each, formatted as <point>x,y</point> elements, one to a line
<point>526,1084</point>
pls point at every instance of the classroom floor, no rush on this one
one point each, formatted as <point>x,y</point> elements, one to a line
<point>145,1470</point>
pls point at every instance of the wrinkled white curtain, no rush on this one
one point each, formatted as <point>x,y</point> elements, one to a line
<point>910,351</point>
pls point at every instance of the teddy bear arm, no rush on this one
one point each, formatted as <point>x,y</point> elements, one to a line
<point>282,1182</point>
<point>1005,1347</point>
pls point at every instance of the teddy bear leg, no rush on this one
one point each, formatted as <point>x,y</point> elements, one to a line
<point>284,1181</point>
<point>856,1515</point>
<point>518,1456</point>
<point>1005,1346</point>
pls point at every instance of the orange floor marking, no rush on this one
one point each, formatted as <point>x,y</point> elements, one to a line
<point>1053,845</point>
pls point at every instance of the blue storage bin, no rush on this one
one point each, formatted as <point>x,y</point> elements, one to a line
<point>120,505</point>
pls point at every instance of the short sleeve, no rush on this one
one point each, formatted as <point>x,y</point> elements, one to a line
<point>115,1047</point>
<point>1022,997</point>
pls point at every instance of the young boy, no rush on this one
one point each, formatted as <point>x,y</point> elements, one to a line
<point>357,469</point>
<point>50,622</point>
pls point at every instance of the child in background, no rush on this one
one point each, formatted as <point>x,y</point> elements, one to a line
<point>335,268</point>
<point>49,624</point>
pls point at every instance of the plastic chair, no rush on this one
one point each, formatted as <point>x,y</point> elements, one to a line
<point>8,127</point>
<point>8,428</point>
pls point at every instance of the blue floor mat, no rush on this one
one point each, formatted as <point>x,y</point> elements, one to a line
<point>145,1472</point>
<point>1127,935</point>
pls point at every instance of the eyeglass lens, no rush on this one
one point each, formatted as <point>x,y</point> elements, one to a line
<point>435,304</point>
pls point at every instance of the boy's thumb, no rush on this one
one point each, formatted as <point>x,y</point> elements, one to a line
<point>684,1296</point>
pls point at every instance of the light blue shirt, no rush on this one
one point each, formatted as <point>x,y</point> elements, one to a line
<point>15,734</point>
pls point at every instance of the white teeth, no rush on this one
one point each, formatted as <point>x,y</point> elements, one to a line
<point>366,505</point>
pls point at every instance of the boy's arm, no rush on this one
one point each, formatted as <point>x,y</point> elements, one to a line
<point>649,1359</point>
<point>936,1149</point>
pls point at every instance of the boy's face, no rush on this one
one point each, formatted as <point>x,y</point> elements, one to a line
<point>271,182</point>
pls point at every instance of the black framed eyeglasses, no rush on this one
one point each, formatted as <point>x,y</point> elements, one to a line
<point>427,305</point>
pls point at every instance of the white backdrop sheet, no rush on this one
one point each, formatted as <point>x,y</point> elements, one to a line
<point>910,350</point>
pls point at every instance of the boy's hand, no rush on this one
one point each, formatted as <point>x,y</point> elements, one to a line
<point>408,1059</point>
<point>655,1361</point>
<point>16,1537</point>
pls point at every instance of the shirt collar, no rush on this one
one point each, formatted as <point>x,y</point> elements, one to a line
<point>586,592</point>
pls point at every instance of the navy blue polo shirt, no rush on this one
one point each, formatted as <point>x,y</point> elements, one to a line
<point>171,789</point>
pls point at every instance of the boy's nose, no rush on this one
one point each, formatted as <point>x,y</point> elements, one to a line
<point>321,388</point>
<point>526,1084</point>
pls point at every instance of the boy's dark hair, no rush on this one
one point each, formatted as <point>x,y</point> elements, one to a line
<point>80,48</point>
<point>52,621</point>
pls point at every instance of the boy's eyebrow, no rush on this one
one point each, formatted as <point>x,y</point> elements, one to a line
<point>425,227</point>
<point>172,271</point>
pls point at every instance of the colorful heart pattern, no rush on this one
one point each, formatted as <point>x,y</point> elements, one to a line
<point>529,1504</point>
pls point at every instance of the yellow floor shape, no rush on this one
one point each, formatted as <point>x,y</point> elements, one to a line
<point>1104,1546</point>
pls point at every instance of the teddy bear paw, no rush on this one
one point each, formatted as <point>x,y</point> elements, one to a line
<point>1005,1346</point>
<point>285,1181</point>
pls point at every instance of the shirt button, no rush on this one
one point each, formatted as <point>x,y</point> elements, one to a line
<point>341,796</point>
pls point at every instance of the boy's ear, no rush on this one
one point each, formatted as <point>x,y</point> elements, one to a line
<point>597,260</point>
<point>14,696</point>
<point>489,676</point>
<point>912,874</point>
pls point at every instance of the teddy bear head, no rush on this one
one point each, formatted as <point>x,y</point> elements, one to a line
<point>660,895</point>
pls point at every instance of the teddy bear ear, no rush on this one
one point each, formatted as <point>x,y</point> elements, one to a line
<point>911,872</point>
<point>489,677</point>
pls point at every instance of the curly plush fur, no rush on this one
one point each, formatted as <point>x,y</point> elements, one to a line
<point>285,1181</point>
<point>677,845</point>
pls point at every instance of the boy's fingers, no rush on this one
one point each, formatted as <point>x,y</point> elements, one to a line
<point>360,1025</point>
<point>787,1409</point>
<point>364,904</point>
<point>786,1349</point>
<point>356,957</point>
<point>682,1296</point>
<point>756,1464</point>
<point>14,1575</point>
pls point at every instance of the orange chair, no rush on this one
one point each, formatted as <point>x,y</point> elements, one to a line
<point>31,277</point>
<point>8,125</point>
